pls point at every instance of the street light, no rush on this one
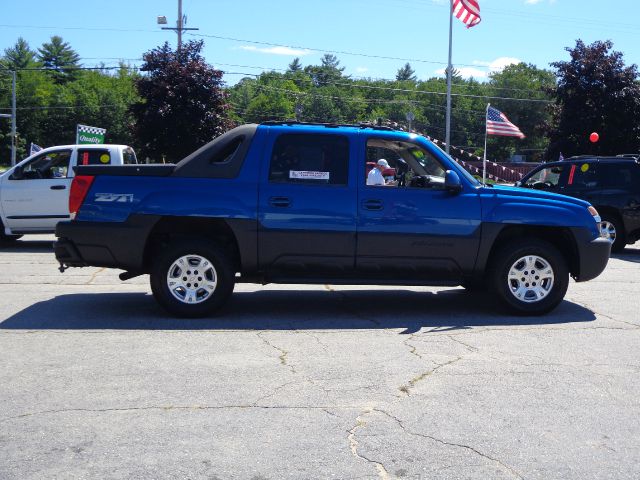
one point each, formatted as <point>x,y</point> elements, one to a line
<point>180,24</point>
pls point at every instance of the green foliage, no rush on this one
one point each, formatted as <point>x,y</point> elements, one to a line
<point>406,73</point>
<point>596,92</point>
<point>527,82</point>
<point>183,103</point>
<point>58,56</point>
<point>19,56</point>
<point>49,110</point>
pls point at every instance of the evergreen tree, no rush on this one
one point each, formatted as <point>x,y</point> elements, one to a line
<point>19,56</point>
<point>406,73</point>
<point>295,66</point>
<point>61,58</point>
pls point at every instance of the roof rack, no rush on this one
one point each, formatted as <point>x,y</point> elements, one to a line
<point>602,157</point>
<point>329,125</point>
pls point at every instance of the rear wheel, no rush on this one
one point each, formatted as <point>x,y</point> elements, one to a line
<point>192,278</point>
<point>611,228</point>
<point>530,277</point>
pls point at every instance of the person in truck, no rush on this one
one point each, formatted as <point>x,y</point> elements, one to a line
<point>375,175</point>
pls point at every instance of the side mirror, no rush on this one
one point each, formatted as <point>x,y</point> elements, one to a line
<point>18,173</point>
<point>517,184</point>
<point>452,182</point>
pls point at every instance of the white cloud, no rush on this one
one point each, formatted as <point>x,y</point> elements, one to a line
<point>362,69</point>
<point>496,65</point>
<point>291,52</point>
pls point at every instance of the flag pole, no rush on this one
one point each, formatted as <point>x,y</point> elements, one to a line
<point>449,69</point>
<point>484,159</point>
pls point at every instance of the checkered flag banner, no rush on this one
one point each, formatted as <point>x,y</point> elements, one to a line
<point>86,134</point>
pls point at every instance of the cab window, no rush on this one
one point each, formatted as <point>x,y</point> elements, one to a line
<point>546,178</point>
<point>402,164</point>
<point>46,166</point>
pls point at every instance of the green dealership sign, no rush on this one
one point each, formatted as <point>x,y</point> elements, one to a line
<point>91,135</point>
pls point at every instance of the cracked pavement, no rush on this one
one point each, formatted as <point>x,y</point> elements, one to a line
<point>307,382</point>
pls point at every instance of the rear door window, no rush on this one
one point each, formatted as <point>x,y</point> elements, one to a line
<point>583,176</point>
<point>310,159</point>
<point>94,156</point>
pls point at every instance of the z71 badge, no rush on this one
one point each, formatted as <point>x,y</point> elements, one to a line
<point>114,197</point>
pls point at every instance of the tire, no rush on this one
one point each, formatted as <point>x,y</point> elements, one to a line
<point>612,228</point>
<point>7,239</point>
<point>209,275</point>
<point>529,276</point>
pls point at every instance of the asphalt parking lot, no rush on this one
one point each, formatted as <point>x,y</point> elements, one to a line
<point>96,381</point>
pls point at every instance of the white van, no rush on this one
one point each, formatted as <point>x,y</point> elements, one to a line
<point>34,195</point>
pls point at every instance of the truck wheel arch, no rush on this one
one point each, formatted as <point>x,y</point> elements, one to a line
<point>561,238</point>
<point>217,230</point>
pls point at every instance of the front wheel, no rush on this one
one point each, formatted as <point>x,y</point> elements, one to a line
<point>611,228</point>
<point>192,278</point>
<point>530,277</point>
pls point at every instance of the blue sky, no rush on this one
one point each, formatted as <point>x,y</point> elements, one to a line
<point>261,35</point>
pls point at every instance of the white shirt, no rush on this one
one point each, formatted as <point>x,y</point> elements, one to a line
<point>375,177</point>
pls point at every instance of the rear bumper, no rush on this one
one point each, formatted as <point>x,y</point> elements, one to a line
<point>594,256</point>
<point>104,244</point>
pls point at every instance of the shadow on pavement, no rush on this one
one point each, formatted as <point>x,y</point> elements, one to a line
<point>629,254</point>
<point>289,310</point>
<point>28,246</point>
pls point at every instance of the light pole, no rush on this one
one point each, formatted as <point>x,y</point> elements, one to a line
<point>180,24</point>
<point>13,116</point>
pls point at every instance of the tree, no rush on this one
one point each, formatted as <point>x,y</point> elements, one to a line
<point>532,85</point>
<point>183,103</point>
<point>295,66</point>
<point>61,58</point>
<point>327,72</point>
<point>19,56</point>
<point>406,73</point>
<point>596,92</point>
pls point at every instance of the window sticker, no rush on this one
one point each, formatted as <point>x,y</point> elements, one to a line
<point>308,175</point>
<point>571,173</point>
<point>584,167</point>
<point>105,158</point>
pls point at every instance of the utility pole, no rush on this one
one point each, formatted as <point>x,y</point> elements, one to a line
<point>180,24</point>
<point>13,116</point>
<point>13,119</point>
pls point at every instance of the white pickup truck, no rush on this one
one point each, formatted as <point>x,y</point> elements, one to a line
<point>34,195</point>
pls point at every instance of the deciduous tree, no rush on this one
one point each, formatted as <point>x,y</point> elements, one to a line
<point>183,102</point>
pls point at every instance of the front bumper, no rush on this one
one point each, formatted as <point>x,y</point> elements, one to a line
<point>594,256</point>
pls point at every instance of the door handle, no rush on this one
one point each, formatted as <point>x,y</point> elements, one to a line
<point>372,205</point>
<point>58,187</point>
<point>282,202</point>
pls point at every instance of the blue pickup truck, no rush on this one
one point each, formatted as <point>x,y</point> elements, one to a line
<point>290,203</point>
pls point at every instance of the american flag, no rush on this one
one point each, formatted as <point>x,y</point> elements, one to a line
<point>499,124</point>
<point>468,11</point>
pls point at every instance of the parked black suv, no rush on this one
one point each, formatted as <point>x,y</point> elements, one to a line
<point>611,184</point>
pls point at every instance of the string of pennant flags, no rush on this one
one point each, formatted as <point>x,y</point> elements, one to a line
<point>474,169</point>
